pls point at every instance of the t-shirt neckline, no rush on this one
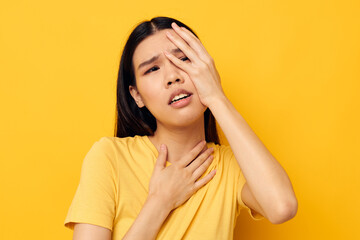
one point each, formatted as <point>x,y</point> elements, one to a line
<point>153,149</point>
<point>150,145</point>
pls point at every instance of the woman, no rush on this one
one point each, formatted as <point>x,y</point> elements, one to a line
<point>164,175</point>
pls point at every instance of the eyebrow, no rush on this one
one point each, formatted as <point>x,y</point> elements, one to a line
<point>154,58</point>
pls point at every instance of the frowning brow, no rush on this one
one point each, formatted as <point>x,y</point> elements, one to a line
<point>154,58</point>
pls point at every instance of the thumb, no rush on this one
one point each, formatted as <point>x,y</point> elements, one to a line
<point>161,160</point>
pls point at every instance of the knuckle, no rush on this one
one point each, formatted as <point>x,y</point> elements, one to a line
<point>207,160</point>
<point>186,173</point>
<point>196,150</point>
<point>207,178</point>
<point>203,160</point>
<point>188,48</point>
<point>207,164</point>
<point>209,151</point>
<point>202,65</point>
<point>210,62</point>
<point>191,189</point>
<point>202,168</point>
<point>196,71</point>
<point>194,187</point>
<point>195,174</point>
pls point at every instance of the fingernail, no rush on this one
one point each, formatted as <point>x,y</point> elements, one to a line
<point>166,52</point>
<point>169,34</point>
<point>162,146</point>
<point>175,24</point>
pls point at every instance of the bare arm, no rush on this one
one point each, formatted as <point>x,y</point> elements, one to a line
<point>85,231</point>
<point>268,189</point>
<point>146,225</point>
<point>149,221</point>
<point>169,188</point>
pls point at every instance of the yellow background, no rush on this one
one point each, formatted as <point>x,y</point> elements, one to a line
<point>290,68</point>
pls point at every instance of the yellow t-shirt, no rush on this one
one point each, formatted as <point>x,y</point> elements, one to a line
<point>114,185</point>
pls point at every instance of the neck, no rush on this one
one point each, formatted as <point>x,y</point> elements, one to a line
<point>179,140</point>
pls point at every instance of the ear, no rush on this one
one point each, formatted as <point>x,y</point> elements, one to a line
<point>136,95</point>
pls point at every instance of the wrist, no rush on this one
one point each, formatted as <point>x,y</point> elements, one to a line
<point>216,101</point>
<point>156,202</point>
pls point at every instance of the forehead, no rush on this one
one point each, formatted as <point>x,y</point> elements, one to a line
<point>153,45</point>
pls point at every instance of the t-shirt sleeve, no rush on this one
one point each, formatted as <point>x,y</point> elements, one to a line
<point>240,184</point>
<point>254,215</point>
<point>94,200</point>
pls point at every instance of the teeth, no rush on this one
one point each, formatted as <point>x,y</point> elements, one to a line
<point>177,97</point>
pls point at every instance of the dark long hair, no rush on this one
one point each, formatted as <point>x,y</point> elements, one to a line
<point>130,119</point>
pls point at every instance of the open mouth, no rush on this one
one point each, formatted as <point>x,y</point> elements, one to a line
<point>180,97</point>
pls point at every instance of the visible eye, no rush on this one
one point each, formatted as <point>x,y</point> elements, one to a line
<point>152,69</point>
<point>185,58</point>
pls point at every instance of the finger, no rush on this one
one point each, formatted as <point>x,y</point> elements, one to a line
<point>200,159</point>
<point>161,160</point>
<point>201,152</point>
<point>204,180</point>
<point>192,154</point>
<point>183,46</point>
<point>202,168</point>
<point>191,39</point>
<point>188,33</point>
<point>179,63</point>
<point>204,55</point>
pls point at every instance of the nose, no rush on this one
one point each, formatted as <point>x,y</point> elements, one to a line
<point>172,82</point>
<point>172,75</point>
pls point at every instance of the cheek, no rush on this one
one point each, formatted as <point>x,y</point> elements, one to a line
<point>149,91</point>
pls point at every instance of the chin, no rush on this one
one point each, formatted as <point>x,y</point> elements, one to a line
<point>187,118</point>
<point>181,117</point>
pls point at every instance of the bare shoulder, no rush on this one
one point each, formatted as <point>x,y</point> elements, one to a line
<point>87,231</point>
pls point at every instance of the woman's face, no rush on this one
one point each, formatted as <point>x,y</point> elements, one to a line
<point>162,87</point>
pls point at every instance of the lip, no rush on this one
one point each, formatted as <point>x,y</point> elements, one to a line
<point>177,92</point>
<point>182,103</point>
